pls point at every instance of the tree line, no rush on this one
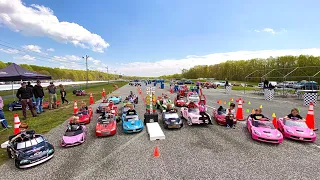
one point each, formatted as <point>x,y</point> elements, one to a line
<point>74,75</point>
<point>287,68</point>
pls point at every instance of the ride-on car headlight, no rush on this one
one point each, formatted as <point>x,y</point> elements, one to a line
<point>311,133</point>
<point>98,131</point>
<point>278,135</point>
<point>50,151</point>
<point>125,126</point>
<point>256,132</point>
<point>289,131</point>
<point>25,161</point>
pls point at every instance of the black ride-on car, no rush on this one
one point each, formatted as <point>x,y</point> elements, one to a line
<point>30,151</point>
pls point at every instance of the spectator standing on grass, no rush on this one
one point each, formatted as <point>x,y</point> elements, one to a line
<point>63,94</point>
<point>31,87</point>
<point>39,95</point>
<point>24,95</point>
<point>4,122</point>
<point>52,90</point>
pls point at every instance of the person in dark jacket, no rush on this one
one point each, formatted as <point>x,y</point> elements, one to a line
<point>25,94</point>
<point>63,94</point>
<point>31,87</point>
<point>39,95</point>
<point>226,84</point>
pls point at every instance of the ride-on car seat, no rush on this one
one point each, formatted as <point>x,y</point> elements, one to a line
<point>221,110</point>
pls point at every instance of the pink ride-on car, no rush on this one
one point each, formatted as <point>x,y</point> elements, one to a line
<point>192,115</point>
<point>74,135</point>
<point>296,129</point>
<point>264,131</point>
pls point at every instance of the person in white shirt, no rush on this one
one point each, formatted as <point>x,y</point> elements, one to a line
<point>231,112</point>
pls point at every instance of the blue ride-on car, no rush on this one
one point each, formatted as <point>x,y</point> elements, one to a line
<point>131,123</point>
<point>16,105</point>
<point>116,99</point>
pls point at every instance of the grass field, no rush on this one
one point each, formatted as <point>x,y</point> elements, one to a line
<point>51,118</point>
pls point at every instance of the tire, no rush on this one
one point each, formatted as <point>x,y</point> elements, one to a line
<point>9,154</point>
<point>189,121</point>
<point>10,108</point>
<point>16,163</point>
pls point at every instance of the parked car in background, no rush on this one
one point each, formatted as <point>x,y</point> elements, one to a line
<point>221,83</point>
<point>306,85</point>
<point>188,82</point>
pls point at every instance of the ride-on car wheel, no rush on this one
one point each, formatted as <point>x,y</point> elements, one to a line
<point>16,163</point>
<point>10,108</point>
<point>189,121</point>
<point>10,155</point>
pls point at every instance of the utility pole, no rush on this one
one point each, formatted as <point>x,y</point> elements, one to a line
<point>108,74</point>
<point>87,69</point>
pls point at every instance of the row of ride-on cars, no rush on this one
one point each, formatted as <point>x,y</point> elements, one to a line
<point>264,130</point>
<point>29,149</point>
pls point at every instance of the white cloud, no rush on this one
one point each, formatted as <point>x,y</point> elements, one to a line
<point>33,48</point>
<point>171,66</point>
<point>9,51</point>
<point>38,20</point>
<point>25,58</point>
<point>270,30</point>
<point>50,50</point>
<point>66,58</point>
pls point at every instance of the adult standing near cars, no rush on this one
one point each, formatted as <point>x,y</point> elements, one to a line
<point>63,94</point>
<point>4,122</point>
<point>226,84</point>
<point>39,95</point>
<point>25,94</point>
<point>265,84</point>
<point>52,90</point>
<point>31,87</point>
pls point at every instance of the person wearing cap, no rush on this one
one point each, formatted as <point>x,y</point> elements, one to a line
<point>24,95</point>
<point>24,132</point>
<point>52,90</point>
<point>39,95</point>
<point>4,122</point>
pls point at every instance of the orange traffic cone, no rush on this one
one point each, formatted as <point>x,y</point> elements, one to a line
<point>91,99</point>
<point>103,93</point>
<point>239,115</point>
<point>17,123</point>
<point>75,107</point>
<point>310,118</point>
<point>275,122</point>
<point>156,152</point>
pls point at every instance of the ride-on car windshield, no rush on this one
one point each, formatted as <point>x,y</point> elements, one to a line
<point>171,116</point>
<point>104,104</point>
<point>73,133</point>
<point>132,118</point>
<point>193,110</point>
<point>295,123</point>
<point>29,143</point>
<point>263,124</point>
<point>222,111</point>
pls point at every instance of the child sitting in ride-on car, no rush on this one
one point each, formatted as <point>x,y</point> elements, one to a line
<point>230,116</point>
<point>294,115</point>
<point>203,110</point>
<point>83,106</point>
<point>257,115</point>
<point>74,124</point>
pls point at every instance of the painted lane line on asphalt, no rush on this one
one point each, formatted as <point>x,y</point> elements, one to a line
<point>99,163</point>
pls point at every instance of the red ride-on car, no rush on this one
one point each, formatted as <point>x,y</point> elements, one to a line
<point>80,93</point>
<point>84,116</point>
<point>106,126</point>
<point>45,104</point>
<point>179,101</point>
